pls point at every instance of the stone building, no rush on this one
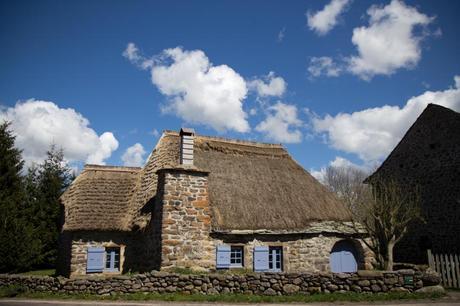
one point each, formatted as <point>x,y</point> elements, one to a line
<point>428,157</point>
<point>206,203</point>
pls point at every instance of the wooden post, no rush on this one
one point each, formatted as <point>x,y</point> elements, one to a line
<point>452,268</point>
<point>448,270</point>
<point>438,267</point>
<point>431,260</point>
<point>457,269</point>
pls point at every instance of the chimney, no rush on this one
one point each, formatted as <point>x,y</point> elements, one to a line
<point>186,146</point>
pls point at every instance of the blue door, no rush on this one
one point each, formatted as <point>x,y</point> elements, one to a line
<point>343,257</point>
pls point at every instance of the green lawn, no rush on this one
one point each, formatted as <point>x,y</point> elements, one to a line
<point>229,298</point>
<point>48,272</point>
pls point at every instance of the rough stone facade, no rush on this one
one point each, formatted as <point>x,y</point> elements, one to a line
<point>301,253</point>
<point>255,283</point>
<point>186,220</point>
<point>81,241</point>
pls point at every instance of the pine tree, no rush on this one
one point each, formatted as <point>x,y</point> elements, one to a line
<point>52,178</point>
<point>18,245</point>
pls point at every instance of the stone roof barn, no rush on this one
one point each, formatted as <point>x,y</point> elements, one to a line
<point>205,203</point>
<point>428,156</point>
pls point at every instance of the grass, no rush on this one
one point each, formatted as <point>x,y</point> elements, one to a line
<point>229,298</point>
<point>46,272</point>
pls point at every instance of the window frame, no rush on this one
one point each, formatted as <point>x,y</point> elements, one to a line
<point>238,251</point>
<point>273,251</point>
<point>114,265</point>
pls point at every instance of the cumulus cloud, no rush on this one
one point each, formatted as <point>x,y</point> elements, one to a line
<point>134,156</point>
<point>268,86</point>
<point>323,65</point>
<point>38,124</point>
<point>323,21</point>
<point>197,91</point>
<point>281,124</point>
<point>389,42</point>
<point>372,133</point>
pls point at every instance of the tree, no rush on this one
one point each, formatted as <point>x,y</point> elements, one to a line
<point>387,209</point>
<point>45,184</point>
<point>19,246</point>
<point>384,209</point>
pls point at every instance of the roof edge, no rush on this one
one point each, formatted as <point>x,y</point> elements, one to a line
<point>231,140</point>
<point>110,168</point>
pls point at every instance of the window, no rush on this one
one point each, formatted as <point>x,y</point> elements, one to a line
<point>275,259</point>
<point>229,256</point>
<point>236,256</point>
<point>112,259</point>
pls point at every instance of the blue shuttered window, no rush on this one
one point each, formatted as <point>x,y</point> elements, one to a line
<point>223,256</point>
<point>95,261</point>
<point>260,258</point>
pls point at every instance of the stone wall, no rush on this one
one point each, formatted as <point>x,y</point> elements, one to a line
<point>301,252</point>
<point>255,283</point>
<point>81,241</point>
<point>186,220</point>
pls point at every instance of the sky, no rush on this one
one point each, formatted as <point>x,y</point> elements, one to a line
<point>336,82</point>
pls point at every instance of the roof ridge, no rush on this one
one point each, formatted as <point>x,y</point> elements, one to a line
<point>231,140</point>
<point>111,168</point>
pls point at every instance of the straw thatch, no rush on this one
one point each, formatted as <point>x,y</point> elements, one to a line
<point>252,186</point>
<point>99,198</point>
<point>259,186</point>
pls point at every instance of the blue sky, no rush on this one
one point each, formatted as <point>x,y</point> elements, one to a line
<point>334,81</point>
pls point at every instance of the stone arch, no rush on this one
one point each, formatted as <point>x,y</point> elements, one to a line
<point>347,255</point>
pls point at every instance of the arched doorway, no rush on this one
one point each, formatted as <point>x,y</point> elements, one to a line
<point>344,257</point>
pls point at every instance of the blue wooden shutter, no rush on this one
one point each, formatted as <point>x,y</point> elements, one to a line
<point>260,258</point>
<point>95,262</point>
<point>223,257</point>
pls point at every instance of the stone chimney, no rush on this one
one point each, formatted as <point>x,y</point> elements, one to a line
<point>186,146</point>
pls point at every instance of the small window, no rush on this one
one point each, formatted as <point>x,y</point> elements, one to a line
<point>112,259</point>
<point>275,259</point>
<point>236,256</point>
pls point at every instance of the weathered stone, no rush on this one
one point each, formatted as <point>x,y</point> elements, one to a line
<point>431,289</point>
<point>270,291</point>
<point>430,278</point>
<point>290,288</point>
<point>364,283</point>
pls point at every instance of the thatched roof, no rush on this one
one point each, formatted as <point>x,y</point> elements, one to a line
<point>252,187</point>
<point>99,198</point>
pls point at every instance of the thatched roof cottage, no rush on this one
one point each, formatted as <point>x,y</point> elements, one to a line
<point>206,203</point>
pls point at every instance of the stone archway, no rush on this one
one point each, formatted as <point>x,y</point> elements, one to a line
<point>346,256</point>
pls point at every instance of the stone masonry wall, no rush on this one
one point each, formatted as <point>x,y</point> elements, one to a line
<point>186,221</point>
<point>83,240</point>
<point>255,283</point>
<point>301,253</point>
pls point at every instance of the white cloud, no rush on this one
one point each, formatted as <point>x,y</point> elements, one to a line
<point>134,156</point>
<point>154,133</point>
<point>107,144</point>
<point>38,124</point>
<point>198,91</point>
<point>280,124</point>
<point>132,54</point>
<point>323,21</point>
<point>268,86</point>
<point>281,34</point>
<point>372,133</point>
<point>323,66</point>
<point>389,42</point>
